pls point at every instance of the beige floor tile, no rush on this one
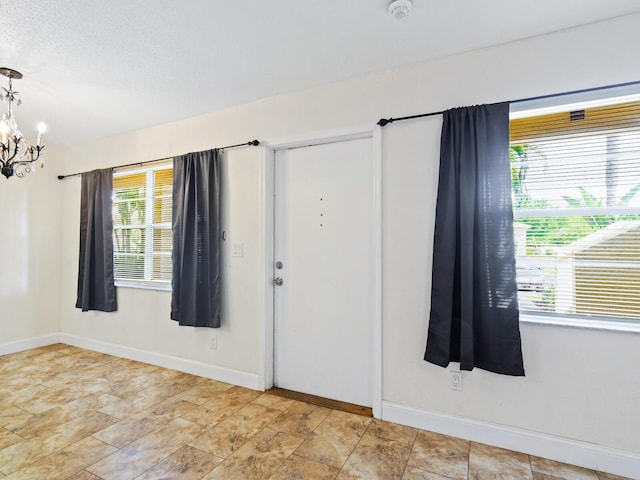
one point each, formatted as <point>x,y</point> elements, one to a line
<point>8,438</point>
<point>21,454</point>
<point>300,419</point>
<point>259,458</point>
<point>144,422</point>
<point>334,439</point>
<point>564,471</point>
<point>17,380</point>
<point>441,454</point>
<point>170,409</point>
<point>13,416</point>
<point>21,396</point>
<point>411,473</point>
<point>204,392</point>
<point>233,432</point>
<point>216,410</point>
<point>66,462</point>
<point>84,475</point>
<point>33,449</point>
<point>188,380</point>
<point>137,457</point>
<point>125,387</point>
<point>497,463</point>
<point>52,398</point>
<point>393,431</point>
<point>544,476</point>
<point>610,476</point>
<point>274,401</point>
<point>144,399</point>
<point>62,414</point>
<point>80,383</point>
<point>374,458</point>
<point>188,463</point>
<point>299,468</point>
<point>46,357</point>
<point>129,430</point>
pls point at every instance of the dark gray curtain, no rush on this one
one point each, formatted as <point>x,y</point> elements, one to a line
<point>96,289</point>
<point>195,297</point>
<point>474,299</point>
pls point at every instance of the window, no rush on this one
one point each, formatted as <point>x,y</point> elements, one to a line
<point>142,226</point>
<point>576,197</point>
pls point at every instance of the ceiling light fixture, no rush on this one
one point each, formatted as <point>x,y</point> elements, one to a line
<point>400,8</point>
<point>17,157</point>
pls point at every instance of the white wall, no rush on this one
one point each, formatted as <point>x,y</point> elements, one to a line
<point>29,281</point>
<point>580,384</point>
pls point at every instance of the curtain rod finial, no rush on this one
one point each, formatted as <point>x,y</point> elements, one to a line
<point>60,177</point>
<point>254,143</point>
<point>384,121</point>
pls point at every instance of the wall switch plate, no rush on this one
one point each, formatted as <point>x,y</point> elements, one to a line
<point>237,250</point>
<point>214,342</point>
<point>456,381</point>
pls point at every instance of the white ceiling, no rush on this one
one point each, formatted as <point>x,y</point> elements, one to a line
<point>94,68</point>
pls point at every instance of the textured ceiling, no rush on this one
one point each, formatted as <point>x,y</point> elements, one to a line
<point>96,68</point>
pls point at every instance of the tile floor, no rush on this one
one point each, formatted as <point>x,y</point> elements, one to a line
<point>69,413</point>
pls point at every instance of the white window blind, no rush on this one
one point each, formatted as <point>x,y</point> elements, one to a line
<point>576,198</point>
<point>142,225</point>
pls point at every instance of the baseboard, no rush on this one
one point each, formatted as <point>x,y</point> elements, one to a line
<point>564,450</point>
<point>20,345</point>
<point>193,367</point>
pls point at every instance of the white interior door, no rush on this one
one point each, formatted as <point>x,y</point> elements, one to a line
<point>323,308</point>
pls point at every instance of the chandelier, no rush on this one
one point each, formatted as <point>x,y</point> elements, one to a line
<point>18,158</point>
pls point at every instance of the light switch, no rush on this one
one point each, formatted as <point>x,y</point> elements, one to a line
<point>237,250</point>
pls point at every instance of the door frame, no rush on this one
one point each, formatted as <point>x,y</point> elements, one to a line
<point>266,354</point>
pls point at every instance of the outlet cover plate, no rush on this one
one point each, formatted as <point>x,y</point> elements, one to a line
<point>456,381</point>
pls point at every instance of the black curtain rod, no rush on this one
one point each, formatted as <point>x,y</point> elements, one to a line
<point>385,121</point>
<point>252,143</point>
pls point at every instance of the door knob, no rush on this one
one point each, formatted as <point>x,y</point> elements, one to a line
<point>278,281</point>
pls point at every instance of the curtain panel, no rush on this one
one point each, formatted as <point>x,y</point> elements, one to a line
<point>195,297</point>
<point>96,287</point>
<point>474,316</point>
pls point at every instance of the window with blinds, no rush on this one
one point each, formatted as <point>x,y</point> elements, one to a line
<point>576,198</point>
<point>142,225</point>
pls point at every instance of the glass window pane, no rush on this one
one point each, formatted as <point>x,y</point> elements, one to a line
<point>128,267</point>
<point>576,197</point>
<point>162,240</point>
<point>129,240</point>
<point>135,254</point>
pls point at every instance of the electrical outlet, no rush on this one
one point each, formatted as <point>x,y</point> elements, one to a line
<point>214,342</point>
<point>456,380</point>
<point>237,250</point>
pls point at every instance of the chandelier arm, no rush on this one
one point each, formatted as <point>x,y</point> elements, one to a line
<point>34,159</point>
<point>15,151</point>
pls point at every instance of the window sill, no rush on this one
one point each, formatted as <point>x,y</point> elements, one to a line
<point>144,285</point>
<point>610,325</point>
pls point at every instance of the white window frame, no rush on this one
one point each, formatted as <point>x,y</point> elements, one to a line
<point>563,103</point>
<point>148,283</point>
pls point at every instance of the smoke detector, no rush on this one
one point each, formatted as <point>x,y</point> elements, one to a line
<point>400,8</point>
